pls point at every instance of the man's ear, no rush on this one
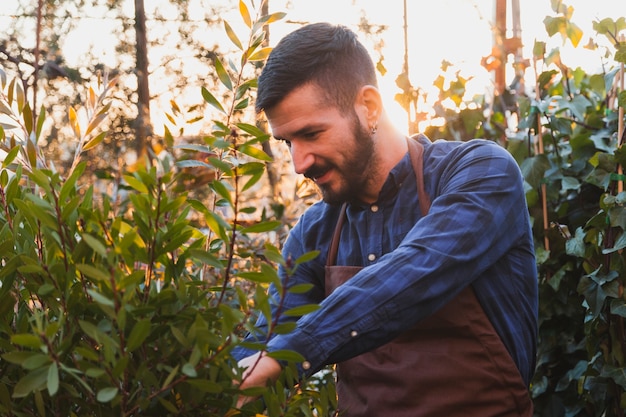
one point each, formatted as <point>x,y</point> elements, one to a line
<point>369,104</point>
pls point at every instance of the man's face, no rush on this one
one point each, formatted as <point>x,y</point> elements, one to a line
<point>333,149</point>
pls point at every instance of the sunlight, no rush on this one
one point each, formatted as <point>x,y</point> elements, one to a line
<point>457,31</point>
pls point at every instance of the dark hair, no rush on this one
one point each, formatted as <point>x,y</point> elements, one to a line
<point>329,56</point>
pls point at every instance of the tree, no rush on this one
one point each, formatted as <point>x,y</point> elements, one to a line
<point>55,20</point>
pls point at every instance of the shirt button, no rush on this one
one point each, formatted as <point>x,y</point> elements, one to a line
<point>374,208</point>
<point>371,257</point>
<point>354,333</point>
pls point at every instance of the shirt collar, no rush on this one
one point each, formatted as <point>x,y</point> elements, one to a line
<point>396,177</point>
<point>392,184</point>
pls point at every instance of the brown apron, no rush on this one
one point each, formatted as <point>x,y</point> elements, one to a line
<point>452,363</point>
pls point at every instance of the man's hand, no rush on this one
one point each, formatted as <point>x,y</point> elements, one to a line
<point>259,368</point>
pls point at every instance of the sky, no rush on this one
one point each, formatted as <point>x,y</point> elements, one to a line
<point>458,31</point>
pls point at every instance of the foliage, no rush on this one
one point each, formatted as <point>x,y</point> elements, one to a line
<point>130,303</point>
<point>565,136</point>
<point>124,306</point>
<point>581,361</point>
<point>36,46</point>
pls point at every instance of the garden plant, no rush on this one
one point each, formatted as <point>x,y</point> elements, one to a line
<point>129,303</point>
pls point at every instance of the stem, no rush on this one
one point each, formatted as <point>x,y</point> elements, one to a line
<point>153,243</point>
<point>231,249</point>
<point>540,151</point>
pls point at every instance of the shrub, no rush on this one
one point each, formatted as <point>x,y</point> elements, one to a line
<point>129,306</point>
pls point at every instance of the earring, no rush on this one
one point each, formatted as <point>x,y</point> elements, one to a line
<point>374,128</point>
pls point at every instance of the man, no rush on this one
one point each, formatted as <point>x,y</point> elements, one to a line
<point>428,294</point>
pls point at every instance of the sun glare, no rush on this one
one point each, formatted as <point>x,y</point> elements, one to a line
<point>456,31</point>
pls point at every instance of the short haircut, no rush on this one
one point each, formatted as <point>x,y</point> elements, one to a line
<point>329,56</point>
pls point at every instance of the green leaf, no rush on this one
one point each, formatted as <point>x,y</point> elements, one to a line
<point>31,269</point>
<point>206,258</point>
<point>572,375</point>
<point>217,224</point>
<point>222,191</point>
<point>100,299</point>
<point>253,180</point>
<point>267,20</point>
<point>31,382</point>
<point>98,335</point>
<point>253,130</point>
<point>26,340</point>
<point>232,36</point>
<point>193,163</point>
<point>209,98</point>
<point>136,184</point>
<point>170,377</point>
<point>36,361</point>
<point>194,148</point>
<point>95,372</point>
<point>286,355</point>
<point>534,169</point>
<point>27,116</point>
<point>596,288</point>
<point>53,378</point>
<point>242,104</point>
<point>222,74</point>
<point>256,277</point>
<point>222,166</point>
<point>138,335</point>
<point>18,357</point>
<point>539,49</point>
<point>285,328</point>
<point>262,227</point>
<point>93,272</point>
<point>618,307</point>
<point>300,288</point>
<point>10,156</point>
<point>106,394</point>
<point>189,370</point>
<point>301,310</point>
<point>255,153</point>
<point>576,245</point>
<point>260,55</point>
<point>92,143</point>
<point>309,256</point>
<point>273,254</point>
<point>70,183</point>
<point>95,244</point>
<point>168,405</point>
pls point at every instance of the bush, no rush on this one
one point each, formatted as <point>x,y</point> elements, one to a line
<point>131,306</point>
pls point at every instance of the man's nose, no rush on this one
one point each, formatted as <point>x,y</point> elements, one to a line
<point>302,157</point>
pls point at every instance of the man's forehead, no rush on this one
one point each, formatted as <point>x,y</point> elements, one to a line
<point>298,112</point>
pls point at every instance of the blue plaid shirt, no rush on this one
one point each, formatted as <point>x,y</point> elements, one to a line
<point>477,233</point>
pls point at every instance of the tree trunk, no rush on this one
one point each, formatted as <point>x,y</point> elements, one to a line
<point>143,128</point>
<point>500,36</point>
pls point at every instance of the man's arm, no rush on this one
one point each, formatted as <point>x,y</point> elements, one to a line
<point>476,218</point>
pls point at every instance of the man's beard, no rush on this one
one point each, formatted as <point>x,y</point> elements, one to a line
<point>357,169</point>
